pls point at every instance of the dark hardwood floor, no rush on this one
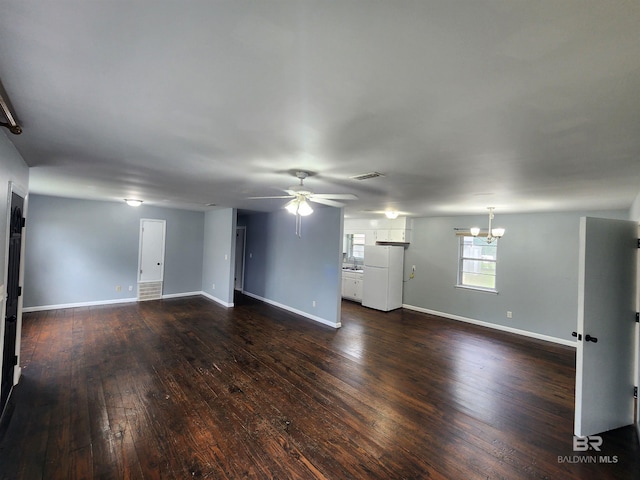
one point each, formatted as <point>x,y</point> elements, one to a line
<point>184,388</point>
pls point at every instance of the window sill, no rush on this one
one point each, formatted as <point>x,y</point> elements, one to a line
<point>477,289</point>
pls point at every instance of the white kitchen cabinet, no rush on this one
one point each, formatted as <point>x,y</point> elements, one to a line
<point>352,286</point>
<point>393,235</point>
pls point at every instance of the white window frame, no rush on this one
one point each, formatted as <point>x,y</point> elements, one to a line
<point>462,258</point>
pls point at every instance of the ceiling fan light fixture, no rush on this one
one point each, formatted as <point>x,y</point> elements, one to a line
<point>304,208</point>
<point>391,214</point>
<point>133,202</point>
<point>475,231</point>
<point>292,206</point>
<point>299,206</point>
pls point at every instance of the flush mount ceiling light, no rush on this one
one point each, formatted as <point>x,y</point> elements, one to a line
<point>132,202</point>
<point>391,214</point>
<point>492,233</point>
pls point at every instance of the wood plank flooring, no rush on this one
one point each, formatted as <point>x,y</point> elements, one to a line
<point>184,388</point>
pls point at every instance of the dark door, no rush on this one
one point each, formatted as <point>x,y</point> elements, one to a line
<point>9,358</point>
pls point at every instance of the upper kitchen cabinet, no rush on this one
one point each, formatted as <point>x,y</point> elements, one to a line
<point>381,230</point>
<point>393,235</point>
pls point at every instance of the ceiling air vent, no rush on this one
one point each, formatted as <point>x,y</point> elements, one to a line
<point>367,176</point>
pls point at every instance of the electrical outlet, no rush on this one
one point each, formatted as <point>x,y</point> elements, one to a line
<point>313,304</point>
<point>509,314</point>
<point>118,288</point>
<point>226,257</point>
<point>213,287</point>
<point>131,288</point>
<point>250,255</point>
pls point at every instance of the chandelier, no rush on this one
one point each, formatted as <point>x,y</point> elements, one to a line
<point>492,233</point>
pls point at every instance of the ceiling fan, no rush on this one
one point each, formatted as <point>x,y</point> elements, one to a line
<point>301,196</point>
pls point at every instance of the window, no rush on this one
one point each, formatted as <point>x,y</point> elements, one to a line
<point>354,247</point>
<point>477,263</point>
<point>358,246</point>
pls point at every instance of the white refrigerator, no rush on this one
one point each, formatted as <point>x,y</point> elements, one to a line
<point>383,275</point>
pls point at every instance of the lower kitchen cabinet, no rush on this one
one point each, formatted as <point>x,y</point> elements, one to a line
<point>352,286</point>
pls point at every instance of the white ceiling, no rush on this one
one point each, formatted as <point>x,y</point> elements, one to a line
<point>521,105</point>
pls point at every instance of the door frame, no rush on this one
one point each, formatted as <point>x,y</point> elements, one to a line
<point>637,343</point>
<point>241,257</point>
<point>164,243</point>
<point>19,190</point>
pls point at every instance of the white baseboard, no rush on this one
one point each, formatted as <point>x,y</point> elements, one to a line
<point>294,310</point>
<point>495,326</point>
<point>216,299</point>
<point>41,308</point>
<point>184,294</point>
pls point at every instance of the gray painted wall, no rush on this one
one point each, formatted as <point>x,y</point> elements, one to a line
<point>537,271</point>
<point>634,211</point>
<point>296,271</point>
<point>219,254</point>
<point>79,250</point>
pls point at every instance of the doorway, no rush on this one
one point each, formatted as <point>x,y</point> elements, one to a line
<point>14,290</point>
<point>151,259</point>
<point>241,233</point>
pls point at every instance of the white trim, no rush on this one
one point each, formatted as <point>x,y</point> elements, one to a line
<point>115,301</point>
<point>79,304</point>
<point>495,326</point>
<point>216,299</point>
<point>294,310</point>
<point>185,294</point>
<point>477,289</point>
<point>178,295</point>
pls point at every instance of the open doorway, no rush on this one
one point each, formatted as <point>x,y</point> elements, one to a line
<point>239,267</point>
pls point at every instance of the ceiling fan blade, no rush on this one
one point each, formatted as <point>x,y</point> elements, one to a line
<point>277,196</point>
<point>325,201</point>
<point>335,196</point>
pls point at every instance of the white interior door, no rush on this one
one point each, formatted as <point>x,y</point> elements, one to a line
<point>151,261</point>
<point>606,325</point>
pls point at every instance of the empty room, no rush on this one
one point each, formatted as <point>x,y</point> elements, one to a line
<point>306,239</point>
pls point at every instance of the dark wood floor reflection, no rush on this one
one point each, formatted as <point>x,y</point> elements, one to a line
<point>185,388</point>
